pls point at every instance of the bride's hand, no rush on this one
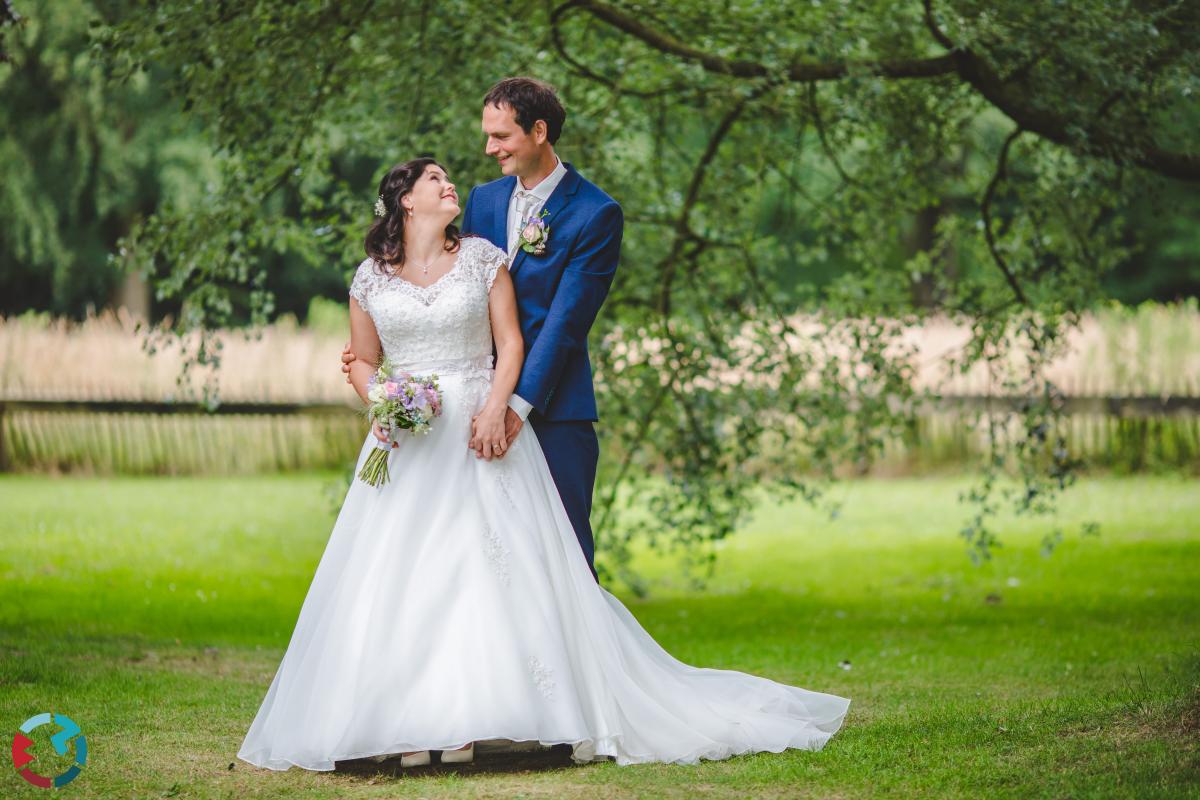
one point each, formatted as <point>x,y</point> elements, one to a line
<point>381,433</point>
<point>487,434</point>
<point>347,359</point>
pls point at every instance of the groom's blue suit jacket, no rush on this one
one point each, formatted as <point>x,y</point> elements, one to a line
<point>560,292</point>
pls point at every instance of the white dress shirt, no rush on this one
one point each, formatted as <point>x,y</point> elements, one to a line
<point>535,197</point>
<point>523,205</point>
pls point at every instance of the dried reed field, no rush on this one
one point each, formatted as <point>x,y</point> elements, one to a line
<point>1149,352</point>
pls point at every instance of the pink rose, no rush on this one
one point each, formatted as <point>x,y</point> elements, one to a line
<point>532,232</point>
<point>392,388</point>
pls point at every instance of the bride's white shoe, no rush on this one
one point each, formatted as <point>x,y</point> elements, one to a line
<point>418,759</point>
<point>464,756</point>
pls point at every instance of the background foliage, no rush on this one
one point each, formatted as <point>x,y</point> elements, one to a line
<point>868,163</point>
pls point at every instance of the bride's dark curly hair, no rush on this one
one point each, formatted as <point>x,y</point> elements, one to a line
<point>385,239</point>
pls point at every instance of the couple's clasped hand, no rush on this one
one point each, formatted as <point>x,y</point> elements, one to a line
<point>492,431</point>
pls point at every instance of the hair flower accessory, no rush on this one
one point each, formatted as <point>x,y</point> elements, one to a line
<point>535,233</point>
<point>380,208</point>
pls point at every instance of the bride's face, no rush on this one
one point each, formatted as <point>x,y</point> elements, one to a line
<point>517,152</point>
<point>433,195</point>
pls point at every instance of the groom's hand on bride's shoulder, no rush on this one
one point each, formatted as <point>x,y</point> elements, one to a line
<point>347,360</point>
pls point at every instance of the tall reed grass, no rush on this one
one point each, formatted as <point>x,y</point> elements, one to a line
<point>1152,350</point>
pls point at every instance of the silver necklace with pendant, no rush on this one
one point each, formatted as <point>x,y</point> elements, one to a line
<point>424,267</point>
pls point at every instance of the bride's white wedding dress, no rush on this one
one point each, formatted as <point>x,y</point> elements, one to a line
<point>453,604</point>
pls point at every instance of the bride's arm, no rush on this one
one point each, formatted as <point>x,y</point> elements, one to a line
<point>510,346</point>
<point>488,436</point>
<point>364,343</point>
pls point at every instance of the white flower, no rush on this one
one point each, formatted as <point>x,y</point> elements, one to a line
<point>380,208</point>
<point>377,393</point>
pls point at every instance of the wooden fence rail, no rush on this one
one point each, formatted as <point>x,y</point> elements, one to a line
<point>1117,407</point>
<point>144,407</point>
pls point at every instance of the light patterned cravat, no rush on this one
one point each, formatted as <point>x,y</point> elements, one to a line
<point>522,201</point>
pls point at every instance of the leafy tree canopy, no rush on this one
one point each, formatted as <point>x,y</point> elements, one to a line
<point>865,162</point>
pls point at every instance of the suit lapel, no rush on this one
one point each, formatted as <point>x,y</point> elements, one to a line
<point>500,214</point>
<point>557,201</point>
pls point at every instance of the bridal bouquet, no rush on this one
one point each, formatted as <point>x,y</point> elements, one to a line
<point>398,401</point>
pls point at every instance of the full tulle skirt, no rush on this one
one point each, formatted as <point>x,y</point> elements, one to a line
<point>453,604</point>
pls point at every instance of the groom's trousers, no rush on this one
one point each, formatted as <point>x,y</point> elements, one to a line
<point>572,453</point>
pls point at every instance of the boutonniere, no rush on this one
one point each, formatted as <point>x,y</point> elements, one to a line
<point>535,234</point>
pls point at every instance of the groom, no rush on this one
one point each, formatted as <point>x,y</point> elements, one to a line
<point>560,282</point>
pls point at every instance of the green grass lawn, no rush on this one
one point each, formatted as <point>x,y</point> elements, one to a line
<point>154,612</point>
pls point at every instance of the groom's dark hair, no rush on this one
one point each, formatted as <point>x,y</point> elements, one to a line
<point>531,100</point>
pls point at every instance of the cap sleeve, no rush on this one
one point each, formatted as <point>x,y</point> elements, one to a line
<point>490,260</point>
<point>361,283</point>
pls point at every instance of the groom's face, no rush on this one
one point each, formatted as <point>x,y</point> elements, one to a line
<point>517,152</point>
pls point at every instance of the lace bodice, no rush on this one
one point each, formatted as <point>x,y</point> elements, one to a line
<point>447,320</point>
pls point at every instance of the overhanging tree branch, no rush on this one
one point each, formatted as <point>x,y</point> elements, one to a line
<point>9,18</point>
<point>986,211</point>
<point>740,68</point>
<point>589,73</point>
<point>1010,100</point>
<point>683,229</point>
<point>1010,97</point>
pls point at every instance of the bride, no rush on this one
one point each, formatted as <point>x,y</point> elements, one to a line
<point>453,604</point>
